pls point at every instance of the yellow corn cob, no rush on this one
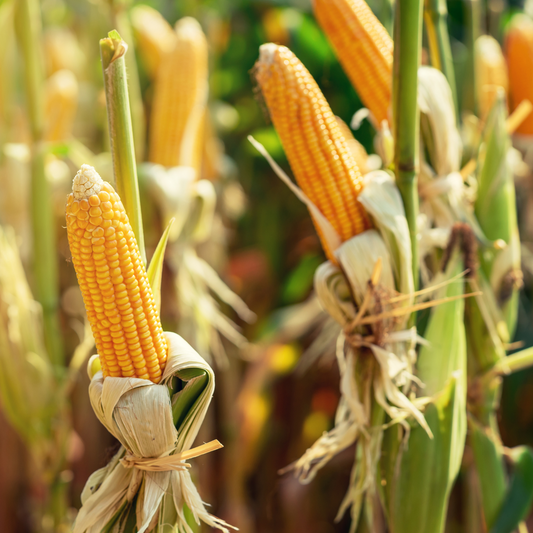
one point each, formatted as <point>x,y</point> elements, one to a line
<point>180,90</point>
<point>154,36</point>
<point>62,51</point>
<point>61,101</point>
<point>364,49</point>
<point>356,148</point>
<point>491,71</point>
<point>519,52</point>
<point>317,151</point>
<point>115,288</point>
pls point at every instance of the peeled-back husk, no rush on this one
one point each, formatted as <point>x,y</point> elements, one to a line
<point>139,414</point>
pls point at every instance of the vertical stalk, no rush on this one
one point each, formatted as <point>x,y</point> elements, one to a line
<point>112,51</point>
<point>473,21</point>
<point>435,17</point>
<point>121,21</point>
<point>45,268</point>
<point>406,115</point>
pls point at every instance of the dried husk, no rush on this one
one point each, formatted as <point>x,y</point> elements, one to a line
<point>139,414</point>
<point>375,374</point>
<point>438,122</point>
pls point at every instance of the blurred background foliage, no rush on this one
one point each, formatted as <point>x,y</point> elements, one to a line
<point>273,254</point>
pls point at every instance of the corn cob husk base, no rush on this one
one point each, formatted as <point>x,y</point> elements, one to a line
<point>139,414</point>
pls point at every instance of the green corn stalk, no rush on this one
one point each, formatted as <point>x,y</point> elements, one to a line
<point>113,50</point>
<point>420,474</point>
<point>46,280</point>
<point>406,114</point>
<point>435,18</point>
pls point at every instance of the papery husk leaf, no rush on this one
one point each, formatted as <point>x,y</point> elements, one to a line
<point>139,414</point>
<point>438,122</point>
<point>382,201</point>
<point>358,257</point>
<point>172,190</point>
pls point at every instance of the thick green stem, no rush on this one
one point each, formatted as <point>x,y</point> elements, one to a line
<point>45,268</point>
<point>435,17</point>
<point>112,51</point>
<point>406,115</point>
<point>123,25</point>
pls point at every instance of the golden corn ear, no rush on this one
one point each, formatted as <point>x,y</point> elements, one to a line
<point>62,51</point>
<point>61,102</point>
<point>115,288</point>
<point>364,49</point>
<point>179,91</point>
<point>356,148</point>
<point>317,151</point>
<point>519,52</point>
<point>154,37</point>
<point>491,72</point>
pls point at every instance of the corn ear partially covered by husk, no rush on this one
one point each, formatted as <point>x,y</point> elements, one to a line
<point>317,151</point>
<point>364,49</point>
<point>370,386</point>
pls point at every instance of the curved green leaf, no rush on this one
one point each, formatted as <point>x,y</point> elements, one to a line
<point>155,270</point>
<point>519,497</point>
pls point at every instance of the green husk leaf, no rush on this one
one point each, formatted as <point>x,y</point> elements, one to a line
<point>495,209</point>
<point>519,497</point>
<point>155,269</point>
<point>490,467</point>
<point>183,401</point>
<point>420,476</point>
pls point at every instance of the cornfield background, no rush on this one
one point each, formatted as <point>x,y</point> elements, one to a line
<point>273,398</point>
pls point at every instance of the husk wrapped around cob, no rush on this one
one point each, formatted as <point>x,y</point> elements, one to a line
<point>140,485</point>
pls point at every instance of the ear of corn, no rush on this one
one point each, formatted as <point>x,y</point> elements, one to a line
<point>61,100</point>
<point>117,295</point>
<point>317,151</point>
<point>491,72</point>
<point>356,148</point>
<point>180,92</point>
<point>154,36</point>
<point>519,53</point>
<point>364,49</point>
